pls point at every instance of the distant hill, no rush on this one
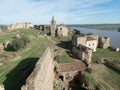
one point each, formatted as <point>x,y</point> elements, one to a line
<point>98,26</point>
<point>3,27</point>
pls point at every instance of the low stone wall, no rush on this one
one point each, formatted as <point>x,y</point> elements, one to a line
<point>43,75</point>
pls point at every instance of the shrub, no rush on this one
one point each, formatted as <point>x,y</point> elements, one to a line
<point>18,43</point>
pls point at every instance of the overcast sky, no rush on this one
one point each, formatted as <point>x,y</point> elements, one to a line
<point>64,11</point>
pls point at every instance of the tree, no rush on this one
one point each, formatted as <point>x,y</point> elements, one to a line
<point>18,43</point>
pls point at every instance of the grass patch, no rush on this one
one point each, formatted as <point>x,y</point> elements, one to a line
<point>12,76</point>
<point>101,54</point>
<point>64,59</point>
<point>116,77</point>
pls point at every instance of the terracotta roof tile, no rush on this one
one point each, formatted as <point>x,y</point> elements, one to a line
<point>89,38</point>
<point>64,67</point>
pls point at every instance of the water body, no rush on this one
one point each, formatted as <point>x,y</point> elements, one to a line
<point>113,34</point>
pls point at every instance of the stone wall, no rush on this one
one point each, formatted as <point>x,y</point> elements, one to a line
<point>43,75</point>
<point>76,41</point>
<point>83,53</point>
<point>104,42</point>
<point>19,26</point>
<point>62,30</point>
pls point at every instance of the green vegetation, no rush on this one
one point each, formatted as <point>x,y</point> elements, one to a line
<point>64,50</point>
<point>108,76</point>
<point>8,35</point>
<point>94,83</point>
<point>64,59</point>
<point>102,54</point>
<point>18,43</point>
<point>14,72</point>
<point>79,35</point>
<point>116,76</point>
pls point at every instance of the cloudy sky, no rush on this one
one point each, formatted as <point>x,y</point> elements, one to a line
<point>65,11</point>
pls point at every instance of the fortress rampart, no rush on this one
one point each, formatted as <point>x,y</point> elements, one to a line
<point>43,75</point>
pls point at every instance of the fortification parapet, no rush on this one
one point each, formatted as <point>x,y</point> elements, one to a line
<point>43,75</point>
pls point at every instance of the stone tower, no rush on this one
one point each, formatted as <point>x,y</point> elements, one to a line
<point>53,27</point>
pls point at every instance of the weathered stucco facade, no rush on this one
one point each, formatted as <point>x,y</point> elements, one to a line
<point>62,30</point>
<point>87,41</point>
<point>42,76</point>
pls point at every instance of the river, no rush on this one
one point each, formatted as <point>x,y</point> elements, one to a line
<point>113,34</point>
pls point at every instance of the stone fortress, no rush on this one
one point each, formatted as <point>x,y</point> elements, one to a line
<point>45,71</point>
<point>20,26</point>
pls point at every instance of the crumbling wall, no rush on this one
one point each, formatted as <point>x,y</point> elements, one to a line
<point>83,53</point>
<point>76,41</point>
<point>19,26</point>
<point>43,75</point>
<point>104,42</point>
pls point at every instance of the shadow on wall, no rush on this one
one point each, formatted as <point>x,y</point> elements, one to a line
<point>76,83</point>
<point>17,77</point>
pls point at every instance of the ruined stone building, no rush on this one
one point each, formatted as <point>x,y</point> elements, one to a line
<point>19,26</point>
<point>83,53</point>
<point>53,27</point>
<point>87,41</point>
<point>66,73</point>
<point>62,30</point>
<point>104,42</point>
<point>83,46</point>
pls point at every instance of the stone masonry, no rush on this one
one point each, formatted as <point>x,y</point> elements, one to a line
<point>62,30</point>
<point>53,27</point>
<point>19,26</point>
<point>104,42</point>
<point>42,76</point>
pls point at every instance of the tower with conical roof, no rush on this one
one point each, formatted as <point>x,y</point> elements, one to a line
<point>53,26</point>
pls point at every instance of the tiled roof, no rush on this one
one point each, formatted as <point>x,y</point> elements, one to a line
<point>66,67</point>
<point>89,38</point>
